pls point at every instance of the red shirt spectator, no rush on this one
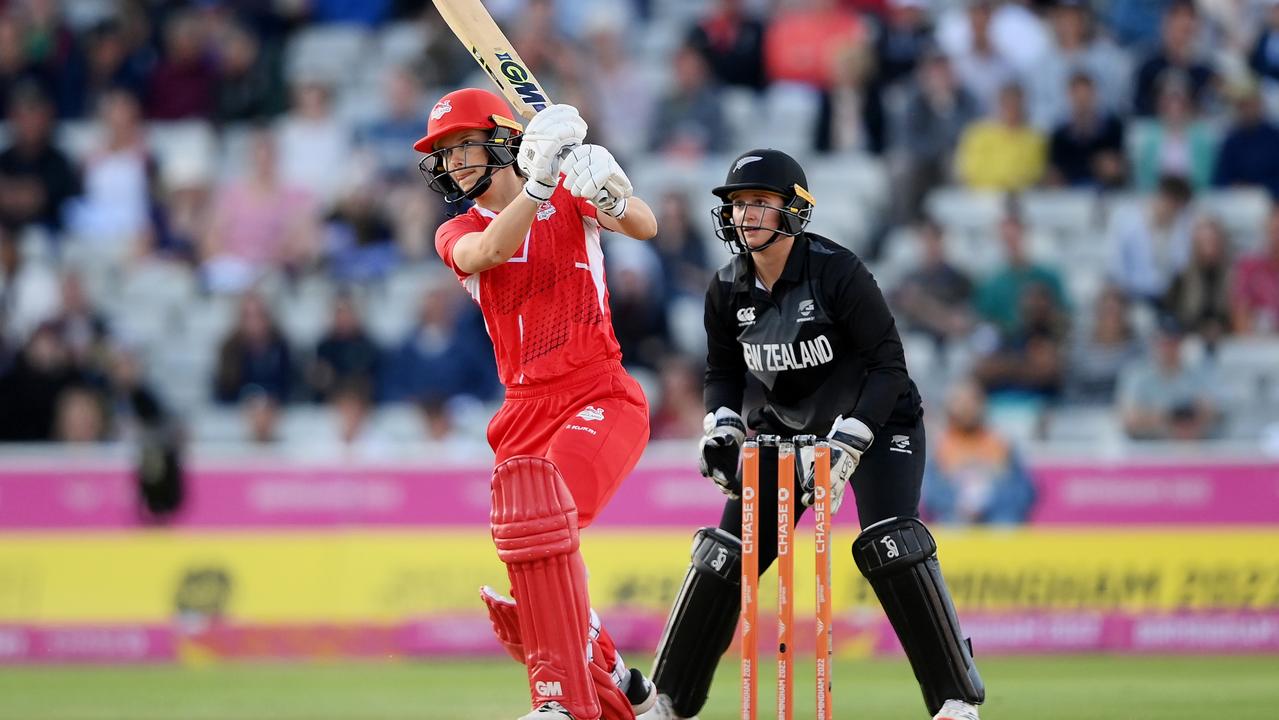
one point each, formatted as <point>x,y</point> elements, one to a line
<point>1255,295</point>
<point>183,83</point>
<point>801,44</point>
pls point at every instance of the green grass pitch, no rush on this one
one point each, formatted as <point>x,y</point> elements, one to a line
<point>1071,688</point>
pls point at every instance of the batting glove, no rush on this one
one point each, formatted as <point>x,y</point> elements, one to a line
<point>591,172</point>
<point>849,438</point>
<point>548,135</point>
<point>724,433</point>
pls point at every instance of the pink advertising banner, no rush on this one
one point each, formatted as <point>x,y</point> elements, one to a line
<point>99,644</point>
<point>275,494</point>
<point>1018,633</point>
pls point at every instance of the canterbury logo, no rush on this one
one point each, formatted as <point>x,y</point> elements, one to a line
<point>441,108</point>
<point>746,161</point>
<point>547,688</point>
<point>590,412</point>
<point>746,316</point>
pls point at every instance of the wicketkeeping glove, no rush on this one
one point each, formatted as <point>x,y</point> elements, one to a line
<point>849,438</point>
<point>721,446</point>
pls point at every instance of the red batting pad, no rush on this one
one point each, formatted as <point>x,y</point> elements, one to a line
<point>534,524</point>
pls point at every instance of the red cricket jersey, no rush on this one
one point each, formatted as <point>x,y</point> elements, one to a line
<point>546,309</point>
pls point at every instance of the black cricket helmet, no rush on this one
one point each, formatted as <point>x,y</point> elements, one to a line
<point>468,109</point>
<point>770,171</point>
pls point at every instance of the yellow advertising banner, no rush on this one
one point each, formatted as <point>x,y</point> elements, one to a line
<point>376,576</point>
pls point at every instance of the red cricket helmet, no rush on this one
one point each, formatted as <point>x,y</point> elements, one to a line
<point>466,109</point>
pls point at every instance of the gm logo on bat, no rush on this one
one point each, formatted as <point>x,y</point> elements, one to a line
<point>519,77</point>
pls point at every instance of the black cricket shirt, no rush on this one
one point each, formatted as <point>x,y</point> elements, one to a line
<point>823,343</point>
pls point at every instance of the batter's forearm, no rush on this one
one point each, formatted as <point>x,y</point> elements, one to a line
<point>498,242</point>
<point>638,222</point>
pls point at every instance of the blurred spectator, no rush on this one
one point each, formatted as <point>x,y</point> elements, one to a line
<point>924,134</point>
<point>1002,153</point>
<point>32,385</point>
<point>1100,351</point>
<point>1264,58</point>
<point>638,302</point>
<point>50,42</point>
<point>1135,23</point>
<point>182,84</point>
<point>443,61</point>
<point>314,144</point>
<point>1163,398</point>
<point>680,247</point>
<point>359,240</point>
<point>679,414</point>
<point>83,329</point>
<point>1029,360</point>
<point>437,421</point>
<point>903,40</point>
<point>542,44</point>
<point>1000,299</point>
<point>258,222</point>
<point>249,86</point>
<point>389,137</point>
<point>1255,292</point>
<point>345,354</point>
<point>356,437</point>
<point>80,416</point>
<point>1178,143</point>
<point>114,212</point>
<point>851,118</point>
<point>804,36</point>
<point>1151,242</point>
<point>261,415</point>
<point>936,297</point>
<point>979,65</point>
<point>28,294</point>
<point>689,120</point>
<point>15,69</point>
<point>1177,56</point>
<point>974,474</point>
<point>441,357</point>
<point>1011,28</point>
<point>1078,48</point>
<point>447,441</point>
<point>182,203</point>
<point>363,12</point>
<point>254,358</point>
<point>623,108</point>
<point>36,178</point>
<point>1199,296</point>
<point>732,42</point>
<point>108,64</point>
<point>1088,149</point>
<point>1250,152</point>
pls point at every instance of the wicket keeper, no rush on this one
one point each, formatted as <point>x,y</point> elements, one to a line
<point>805,317</point>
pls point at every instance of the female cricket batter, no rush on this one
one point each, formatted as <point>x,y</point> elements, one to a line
<point>805,317</point>
<point>573,423</point>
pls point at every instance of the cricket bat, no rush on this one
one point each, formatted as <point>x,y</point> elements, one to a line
<point>473,25</point>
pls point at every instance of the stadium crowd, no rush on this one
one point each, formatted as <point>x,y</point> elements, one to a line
<point>219,199</point>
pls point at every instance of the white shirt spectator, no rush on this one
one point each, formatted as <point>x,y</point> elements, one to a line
<point>1146,258</point>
